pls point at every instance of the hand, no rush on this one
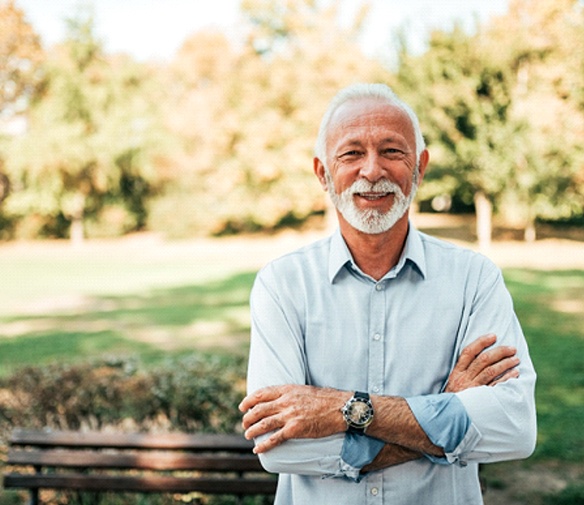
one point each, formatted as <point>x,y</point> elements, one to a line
<point>292,411</point>
<point>478,367</point>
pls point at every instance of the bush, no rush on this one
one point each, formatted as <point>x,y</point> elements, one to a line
<point>199,393</point>
<point>194,394</point>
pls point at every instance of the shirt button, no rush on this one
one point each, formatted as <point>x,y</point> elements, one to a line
<point>378,287</point>
<point>374,491</point>
<point>376,389</point>
<point>377,336</point>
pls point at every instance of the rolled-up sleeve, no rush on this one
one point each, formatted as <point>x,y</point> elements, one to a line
<point>446,423</point>
<point>487,423</point>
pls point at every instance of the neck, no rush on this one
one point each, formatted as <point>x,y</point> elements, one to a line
<point>376,254</point>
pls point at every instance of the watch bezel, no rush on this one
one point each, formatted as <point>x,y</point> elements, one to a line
<point>348,407</point>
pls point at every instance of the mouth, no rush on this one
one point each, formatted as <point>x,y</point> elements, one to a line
<point>372,197</point>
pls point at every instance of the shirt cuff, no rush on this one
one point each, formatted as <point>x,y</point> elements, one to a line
<point>445,421</point>
<point>358,451</point>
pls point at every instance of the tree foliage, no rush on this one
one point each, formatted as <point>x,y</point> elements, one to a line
<point>249,115</point>
<point>544,55</point>
<point>503,110</point>
<point>20,76</point>
<point>20,59</point>
<point>221,139</point>
<point>86,141</point>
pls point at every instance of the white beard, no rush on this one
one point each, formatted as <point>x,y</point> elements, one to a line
<point>371,221</point>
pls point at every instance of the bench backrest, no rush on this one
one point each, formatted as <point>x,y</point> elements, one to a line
<point>205,454</point>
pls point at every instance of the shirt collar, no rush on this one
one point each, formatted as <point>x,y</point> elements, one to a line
<point>339,254</point>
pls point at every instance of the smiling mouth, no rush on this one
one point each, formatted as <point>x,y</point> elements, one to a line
<point>372,196</point>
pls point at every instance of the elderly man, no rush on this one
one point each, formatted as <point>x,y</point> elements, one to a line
<point>385,365</point>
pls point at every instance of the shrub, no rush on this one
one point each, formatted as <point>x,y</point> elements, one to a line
<point>198,393</point>
<point>194,394</point>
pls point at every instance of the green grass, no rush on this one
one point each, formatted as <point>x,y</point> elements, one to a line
<point>210,316</point>
<point>550,306</point>
<point>126,305</point>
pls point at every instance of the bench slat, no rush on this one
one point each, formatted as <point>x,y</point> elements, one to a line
<point>146,484</point>
<point>163,441</point>
<point>207,455</point>
<point>144,460</point>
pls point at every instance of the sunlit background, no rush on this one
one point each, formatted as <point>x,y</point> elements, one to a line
<point>154,154</point>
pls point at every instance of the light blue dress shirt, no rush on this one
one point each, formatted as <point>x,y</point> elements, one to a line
<point>318,320</point>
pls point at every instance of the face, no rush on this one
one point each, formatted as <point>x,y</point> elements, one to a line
<point>372,171</point>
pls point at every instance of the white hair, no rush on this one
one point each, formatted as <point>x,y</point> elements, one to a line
<point>359,91</point>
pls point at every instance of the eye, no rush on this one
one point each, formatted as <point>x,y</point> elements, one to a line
<point>392,153</point>
<point>350,154</point>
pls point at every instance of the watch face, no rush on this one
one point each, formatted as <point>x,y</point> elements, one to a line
<point>359,412</point>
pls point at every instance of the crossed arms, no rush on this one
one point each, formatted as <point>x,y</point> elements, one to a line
<point>290,412</point>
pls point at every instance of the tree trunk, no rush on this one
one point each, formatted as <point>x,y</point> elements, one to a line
<point>484,227</point>
<point>530,234</point>
<point>76,232</point>
<point>76,212</point>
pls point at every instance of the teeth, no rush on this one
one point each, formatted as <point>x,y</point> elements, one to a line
<point>372,196</point>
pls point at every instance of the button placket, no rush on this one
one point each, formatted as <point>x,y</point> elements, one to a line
<point>374,489</point>
<point>376,347</point>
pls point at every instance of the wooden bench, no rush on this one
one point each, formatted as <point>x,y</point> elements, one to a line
<point>141,463</point>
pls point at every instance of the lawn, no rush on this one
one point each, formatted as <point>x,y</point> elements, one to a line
<point>72,306</point>
<point>211,315</point>
<point>550,306</point>
<point>124,299</point>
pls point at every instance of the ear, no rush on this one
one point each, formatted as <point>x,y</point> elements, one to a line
<point>319,170</point>
<point>424,159</point>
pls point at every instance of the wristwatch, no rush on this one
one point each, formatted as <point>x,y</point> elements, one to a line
<point>358,412</point>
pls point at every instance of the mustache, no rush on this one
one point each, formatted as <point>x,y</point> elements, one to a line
<point>381,186</point>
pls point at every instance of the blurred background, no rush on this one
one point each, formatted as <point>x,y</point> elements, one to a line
<point>154,155</point>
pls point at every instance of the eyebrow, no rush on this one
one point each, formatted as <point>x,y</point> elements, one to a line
<point>394,140</point>
<point>358,143</point>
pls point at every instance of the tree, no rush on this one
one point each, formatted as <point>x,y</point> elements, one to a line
<point>21,77</point>
<point>20,58</point>
<point>248,117</point>
<point>504,115</point>
<point>464,108</point>
<point>541,43</point>
<point>88,139</point>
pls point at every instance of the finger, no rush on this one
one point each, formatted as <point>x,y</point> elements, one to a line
<point>266,425</point>
<point>510,374</point>
<point>483,363</point>
<point>492,372</point>
<point>259,412</point>
<point>471,351</point>
<point>261,395</point>
<point>272,441</point>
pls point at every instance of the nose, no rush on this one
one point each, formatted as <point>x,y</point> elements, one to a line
<point>372,168</point>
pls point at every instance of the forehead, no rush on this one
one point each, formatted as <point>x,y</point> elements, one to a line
<point>365,117</point>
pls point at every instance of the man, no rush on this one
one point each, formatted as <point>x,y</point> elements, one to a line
<point>369,381</point>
